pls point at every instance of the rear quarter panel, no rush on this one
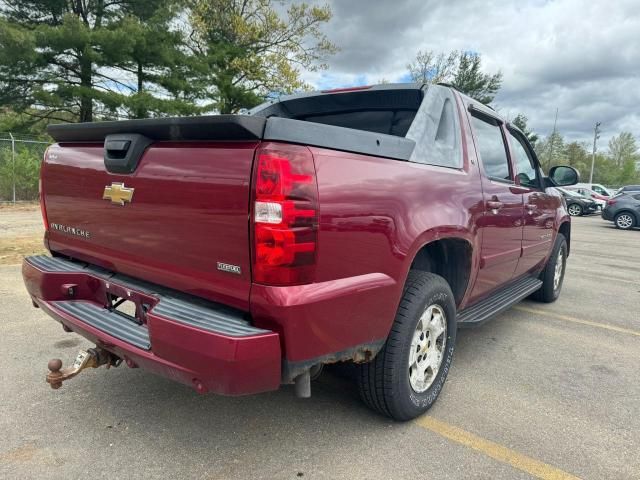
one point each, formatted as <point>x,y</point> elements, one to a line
<point>375,215</point>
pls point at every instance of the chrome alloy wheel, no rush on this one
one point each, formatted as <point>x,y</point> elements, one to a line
<point>427,348</point>
<point>557,274</point>
<point>574,210</point>
<point>624,221</point>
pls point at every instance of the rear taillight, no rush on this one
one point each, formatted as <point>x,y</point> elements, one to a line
<point>284,215</point>
<point>43,208</point>
<point>611,201</point>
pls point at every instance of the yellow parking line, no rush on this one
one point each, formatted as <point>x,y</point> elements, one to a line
<point>497,452</point>
<point>567,318</point>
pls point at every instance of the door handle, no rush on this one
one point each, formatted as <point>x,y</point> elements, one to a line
<point>494,204</point>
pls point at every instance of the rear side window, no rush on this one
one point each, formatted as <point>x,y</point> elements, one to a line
<point>435,129</point>
<point>492,149</point>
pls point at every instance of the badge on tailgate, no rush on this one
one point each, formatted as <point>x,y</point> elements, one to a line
<point>118,193</point>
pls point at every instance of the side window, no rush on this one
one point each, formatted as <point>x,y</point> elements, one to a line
<point>524,165</point>
<point>435,129</point>
<point>492,150</point>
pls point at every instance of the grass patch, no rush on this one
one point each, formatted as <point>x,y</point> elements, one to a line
<point>14,249</point>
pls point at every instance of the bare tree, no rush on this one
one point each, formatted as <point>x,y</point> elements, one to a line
<point>431,68</point>
<point>461,69</point>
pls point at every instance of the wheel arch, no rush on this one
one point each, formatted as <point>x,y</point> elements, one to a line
<point>451,258</point>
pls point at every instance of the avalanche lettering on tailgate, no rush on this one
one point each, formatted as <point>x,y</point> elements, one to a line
<point>78,232</point>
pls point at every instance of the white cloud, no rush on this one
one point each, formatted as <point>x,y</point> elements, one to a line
<point>581,57</point>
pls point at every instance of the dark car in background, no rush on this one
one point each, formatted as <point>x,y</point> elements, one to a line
<point>628,189</point>
<point>623,210</point>
<point>577,204</point>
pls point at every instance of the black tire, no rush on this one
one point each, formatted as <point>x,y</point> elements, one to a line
<point>549,293</point>
<point>621,221</point>
<point>577,210</point>
<point>384,382</point>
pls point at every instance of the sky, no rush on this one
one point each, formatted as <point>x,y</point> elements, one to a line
<point>579,56</point>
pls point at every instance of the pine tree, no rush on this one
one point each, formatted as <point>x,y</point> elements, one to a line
<point>521,122</point>
<point>470,79</point>
<point>67,60</point>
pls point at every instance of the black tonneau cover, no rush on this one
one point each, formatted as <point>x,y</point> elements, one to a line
<point>293,119</point>
<point>338,138</point>
<point>206,127</point>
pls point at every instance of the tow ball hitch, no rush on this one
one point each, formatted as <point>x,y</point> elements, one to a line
<point>91,358</point>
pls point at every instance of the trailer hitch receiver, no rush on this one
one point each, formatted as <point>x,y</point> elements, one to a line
<point>91,358</point>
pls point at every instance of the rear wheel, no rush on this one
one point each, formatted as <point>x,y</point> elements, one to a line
<point>407,375</point>
<point>574,210</point>
<point>624,221</point>
<point>553,274</point>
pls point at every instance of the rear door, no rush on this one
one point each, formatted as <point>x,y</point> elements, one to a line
<point>539,207</point>
<point>501,223</point>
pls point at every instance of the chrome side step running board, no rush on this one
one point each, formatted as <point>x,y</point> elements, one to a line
<point>498,302</point>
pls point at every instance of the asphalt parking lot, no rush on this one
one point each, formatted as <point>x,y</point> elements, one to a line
<point>547,391</point>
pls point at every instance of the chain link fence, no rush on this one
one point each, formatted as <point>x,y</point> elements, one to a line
<point>20,159</point>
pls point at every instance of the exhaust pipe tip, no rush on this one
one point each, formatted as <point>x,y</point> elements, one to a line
<point>303,385</point>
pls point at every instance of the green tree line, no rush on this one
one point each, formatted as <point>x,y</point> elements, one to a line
<point>90,60</point>
<point>86,60</point>
<point>618,165</point>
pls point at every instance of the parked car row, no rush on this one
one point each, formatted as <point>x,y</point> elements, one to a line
<point>578,204</point>
<point>596,192</point>
<point>621,207</point>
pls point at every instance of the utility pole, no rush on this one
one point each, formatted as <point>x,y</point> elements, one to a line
<point>13,165</point>
<point>596,136</point>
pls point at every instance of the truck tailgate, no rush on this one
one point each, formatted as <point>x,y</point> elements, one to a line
<point>185,226</point>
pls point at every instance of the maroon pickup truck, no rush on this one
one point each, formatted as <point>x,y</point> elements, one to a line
<point>236,253</point>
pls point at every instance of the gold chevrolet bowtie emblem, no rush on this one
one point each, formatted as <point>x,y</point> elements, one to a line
<point>117,193</point>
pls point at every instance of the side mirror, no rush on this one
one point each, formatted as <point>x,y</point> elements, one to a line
<point>563,176</point>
